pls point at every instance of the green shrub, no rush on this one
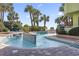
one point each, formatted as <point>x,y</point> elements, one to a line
<point>40,28</point>
<point>8,25</point>
<point>26,28</point>
<point>2,27</point>
<point>5,29</point>
<point>44,28</point>
<point>74,31</point>
<point>16,26</point>
<point>60,30</point>
<point>35,28</point>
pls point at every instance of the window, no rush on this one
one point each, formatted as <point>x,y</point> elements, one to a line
<point>68,21</point>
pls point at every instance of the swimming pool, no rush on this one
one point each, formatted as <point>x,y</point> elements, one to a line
<point>25,41</point>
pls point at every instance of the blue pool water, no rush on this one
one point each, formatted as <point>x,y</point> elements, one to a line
<point>22,41</point>
<point>42,32</point>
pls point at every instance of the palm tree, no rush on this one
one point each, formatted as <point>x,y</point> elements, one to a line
<point>59,19</point>
<point>29,9</point>
<point>61,8</point>
<point>5,7</point>
<point>34,21</point>
<point>45,19</point>
<point>16,16</point>
<point>0,12</point>
<point>12,17</point>
<point>36,14</point>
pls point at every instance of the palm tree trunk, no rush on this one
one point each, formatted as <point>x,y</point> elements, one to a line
<point>38,23</point>
<point>44,23</point>
<point>31,19</point>
<point>2,16</point>
<point>34,23</point>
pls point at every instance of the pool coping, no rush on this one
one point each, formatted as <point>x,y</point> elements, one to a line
<point>62,40</point>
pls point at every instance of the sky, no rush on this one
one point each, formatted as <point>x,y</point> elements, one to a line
<point>49,9</point>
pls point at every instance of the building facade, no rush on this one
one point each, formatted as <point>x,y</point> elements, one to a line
<point>71,10</point>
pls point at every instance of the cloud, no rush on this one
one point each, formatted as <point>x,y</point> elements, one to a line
<point>60,14</point>
<point>39,5</point>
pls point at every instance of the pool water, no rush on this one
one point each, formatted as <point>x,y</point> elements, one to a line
<point>44,42</point>
<point>42,32</point>
<point>24,42</point>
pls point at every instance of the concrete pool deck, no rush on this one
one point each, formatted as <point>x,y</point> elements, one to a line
<point>65,37</point>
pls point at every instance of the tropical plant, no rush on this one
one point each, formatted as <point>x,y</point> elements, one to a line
<point>60,29</point>
<point>44,28</point>
<point>29,9</point>
<point>38,13</point>
<point>26,28</point>
<point>59,19</point>
<point>45,19</point>
<point>13,19</point>
<point>5,7</point>
<point>7,24</point>
<point>36,16</point>
<point>74,31</point>
<point>5,29</point>
<point>12,16</point>
<point>62,7</point>
<point>17,26</point>
<point>1,26</point>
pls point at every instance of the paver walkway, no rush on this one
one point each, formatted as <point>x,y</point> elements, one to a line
<point>57,51</point>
